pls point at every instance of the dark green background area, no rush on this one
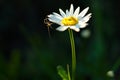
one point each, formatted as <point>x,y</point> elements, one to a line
<point>28,53</point>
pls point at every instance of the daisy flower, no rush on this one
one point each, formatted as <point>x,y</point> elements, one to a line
<point>70,19</point>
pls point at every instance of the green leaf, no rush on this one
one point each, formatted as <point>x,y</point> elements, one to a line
<point>62,73</point>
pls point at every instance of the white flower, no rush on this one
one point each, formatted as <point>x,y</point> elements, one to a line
<point>110,73</point>
<point>85,33</point>
<point>70,19</point>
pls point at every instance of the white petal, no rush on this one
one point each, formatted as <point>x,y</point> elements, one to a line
<point>75,28</point>
<point>67,13</point>
<point>82,24</point>
<point>86,18</point>
<point>62,28</point>
<point>76,12</point>
<point>58,15</point>
<point>54,16</point>
<point>54,19</point>
<point>83,12</point>
<point>62,13</point>
<point>71,9</point>
<point>50,15</point>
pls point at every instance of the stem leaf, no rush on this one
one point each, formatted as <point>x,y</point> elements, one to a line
<point>62,73</point>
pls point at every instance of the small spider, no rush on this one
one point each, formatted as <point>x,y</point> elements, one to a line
<point>48,24</point>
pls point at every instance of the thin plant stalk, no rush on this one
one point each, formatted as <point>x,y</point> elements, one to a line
<point>68,71</point>
<point>73,53</point>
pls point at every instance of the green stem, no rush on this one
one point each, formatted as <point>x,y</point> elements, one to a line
<point>73,53</point>
<point>69,78</point>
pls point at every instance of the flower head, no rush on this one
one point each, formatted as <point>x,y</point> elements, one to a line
<point>110,73</point>
<point>70,19</point>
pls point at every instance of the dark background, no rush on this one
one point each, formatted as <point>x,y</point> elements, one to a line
<point>28,53</point>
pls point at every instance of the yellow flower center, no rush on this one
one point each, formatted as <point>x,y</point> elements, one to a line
<point>69,21</point>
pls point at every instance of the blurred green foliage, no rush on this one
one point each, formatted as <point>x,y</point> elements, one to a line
<point>27,52</point>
